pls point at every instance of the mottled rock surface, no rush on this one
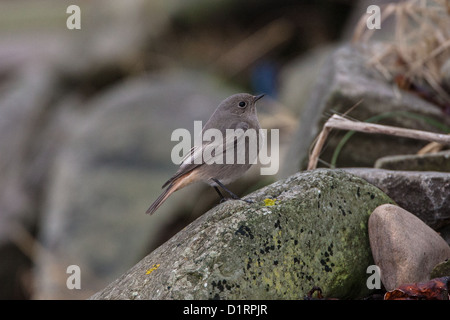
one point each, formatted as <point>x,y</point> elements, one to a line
<point>439,161</point>
<point>426,194</point>
<point>442,269</point>
<point>111,166</point>
<point>347,80</point>
<point>308,230</point>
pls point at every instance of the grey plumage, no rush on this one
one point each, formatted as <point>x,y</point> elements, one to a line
<point>236,112</point>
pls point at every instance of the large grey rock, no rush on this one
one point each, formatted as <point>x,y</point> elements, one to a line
<point>439,161</point>
<point>426,194</point>
<point>308,230</point>
<point>442,269</point>
<point>110,169</point>
<point>346,80</point>
<point>299,77</point>
<point>404,248</point>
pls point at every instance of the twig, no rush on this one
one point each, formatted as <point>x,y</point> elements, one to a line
<point>314,156</point>
<point>338,122</point>
<point>432,147</point>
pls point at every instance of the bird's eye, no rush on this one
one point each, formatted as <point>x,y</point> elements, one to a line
<point>242,104</point>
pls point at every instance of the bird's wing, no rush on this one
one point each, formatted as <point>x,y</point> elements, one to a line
<point>211,151</point>
<point>188,163</point>
<point>217,150</point>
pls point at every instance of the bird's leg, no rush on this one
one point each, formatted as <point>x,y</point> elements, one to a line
<point>233,196</point>
<point>222,198</point>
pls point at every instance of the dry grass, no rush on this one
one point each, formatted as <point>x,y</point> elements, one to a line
<point>417,47</point>
<point>342,123</point>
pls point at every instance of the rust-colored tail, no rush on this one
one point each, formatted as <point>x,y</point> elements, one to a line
<point>174,185</point>
<point>159,201</point>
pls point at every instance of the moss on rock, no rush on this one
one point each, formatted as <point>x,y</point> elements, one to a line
<point>314,234</point>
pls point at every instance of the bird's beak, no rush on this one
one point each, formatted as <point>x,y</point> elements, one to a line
<point>256,98</point>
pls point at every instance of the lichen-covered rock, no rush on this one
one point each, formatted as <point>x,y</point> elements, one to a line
<point>438,161</point>
<point>308,230</point>
<point>347,80</point>
<point>442,269</point>
<point>423,193</point>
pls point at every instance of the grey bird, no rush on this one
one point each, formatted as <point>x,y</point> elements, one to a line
<point>235,112</point>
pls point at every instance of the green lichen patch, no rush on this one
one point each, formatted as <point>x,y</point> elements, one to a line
<point>314,235</point>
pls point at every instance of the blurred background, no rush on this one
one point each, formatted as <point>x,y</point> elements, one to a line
<point>86,118</point>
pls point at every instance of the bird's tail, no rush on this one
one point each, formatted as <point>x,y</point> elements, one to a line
<point>174,185</point>
<point>160,200</point>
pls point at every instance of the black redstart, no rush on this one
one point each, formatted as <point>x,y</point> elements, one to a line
<point>235,112</point>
